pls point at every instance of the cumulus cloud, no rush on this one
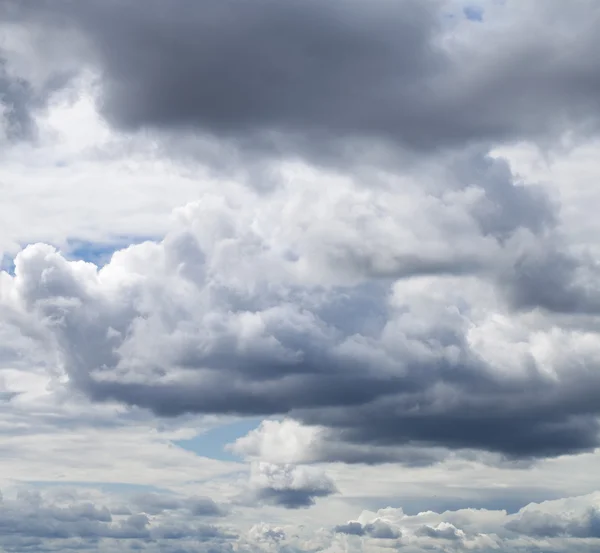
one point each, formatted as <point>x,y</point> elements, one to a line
<point>395,350</point>
<point>58,520</point>
<point>377,529</point>
<point>582,523</point>
<point>444,531</point>
<point>288,486</point>
<point>33,519</point>
<point>563,525</point>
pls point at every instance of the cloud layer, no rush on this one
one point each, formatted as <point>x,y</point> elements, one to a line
<point>381,256</point>
<point>565,525</point>
<point>41,522</point>
<point>306,76</point>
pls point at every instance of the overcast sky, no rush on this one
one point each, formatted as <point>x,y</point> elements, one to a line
<point>299,276</point>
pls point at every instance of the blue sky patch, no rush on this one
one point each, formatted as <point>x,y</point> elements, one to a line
<point>99,253</point>
<point>212,443</point>
<point>7,263</point>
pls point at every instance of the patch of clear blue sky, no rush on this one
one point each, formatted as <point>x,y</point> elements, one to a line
<point>7,263</point>
<point>100,253</point>
<point>212,442</point>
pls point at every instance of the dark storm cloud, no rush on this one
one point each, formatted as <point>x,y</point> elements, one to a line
<point>300,74</point>
<point>461,407</point>
<point>520,420</point>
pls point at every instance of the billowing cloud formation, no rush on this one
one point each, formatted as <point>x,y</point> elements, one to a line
<point>62,519</point>
<point>376,529</point>
<point>262,305</point>
<point>290,74</point>
<point>32,520</point>
<point>569,524</point>
<point>288,486</point>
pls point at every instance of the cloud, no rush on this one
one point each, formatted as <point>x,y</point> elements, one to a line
<point>354,258</point>
<point>288,486</point>
<point>307,76</point>
<point>265,533</point>
<point>552,525</point>
<point>289,441</point>
<point>29,82</point>
<point>154,504</point>
<point>444,531</point>
<point>32,519</point>
<point>376,529</point>
<point>536,526</point>
<point>397,350</point>
<point>62,520</point>
<point>15,99</point>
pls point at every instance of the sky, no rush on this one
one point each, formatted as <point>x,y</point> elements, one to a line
<point>300,276</point>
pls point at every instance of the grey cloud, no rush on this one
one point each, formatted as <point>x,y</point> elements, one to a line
<point>154,503</point>
<point>290,498</point>
<point>532,419</point>
<point>31,519</point>
<point>22,99</point>
<point>289,486</point>
<point>507,203</point>
<point>550,277</point>
<point>351,528</point>
<point>382,530</point>
<point>447,532</point>
<point>377,529</point>
<point>552,525</point>
<point>303,75</point>
<point>16,104</point>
